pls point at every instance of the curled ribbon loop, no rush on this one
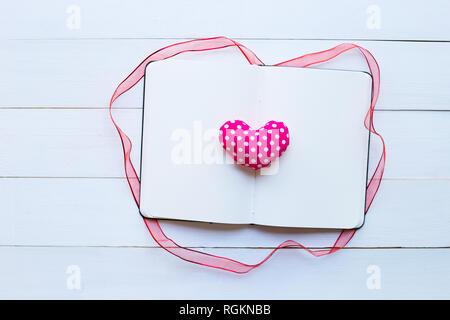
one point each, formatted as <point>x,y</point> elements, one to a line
<point>307,60</point>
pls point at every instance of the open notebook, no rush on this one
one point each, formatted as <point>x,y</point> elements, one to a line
<point>318,182</point>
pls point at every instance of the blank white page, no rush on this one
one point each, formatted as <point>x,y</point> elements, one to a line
<point>321,178</point>
<point>187,101</point>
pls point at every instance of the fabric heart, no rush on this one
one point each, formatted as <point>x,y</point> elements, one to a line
<point>254,148</point>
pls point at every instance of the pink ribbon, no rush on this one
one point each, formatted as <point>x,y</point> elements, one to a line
<point>307,60</point>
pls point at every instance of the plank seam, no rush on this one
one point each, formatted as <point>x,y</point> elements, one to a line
<point>219,247</point>
<point>235,38</point>
<point>140,108</point>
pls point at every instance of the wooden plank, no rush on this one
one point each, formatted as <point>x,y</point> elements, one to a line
<point>114,273</point>
<point>304,19</point>
<point>84,73</point>
<point>101,212</point>
<point>83,143</point>
<point>61,143</point>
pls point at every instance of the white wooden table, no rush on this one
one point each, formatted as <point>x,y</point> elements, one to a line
<point>69,227</point>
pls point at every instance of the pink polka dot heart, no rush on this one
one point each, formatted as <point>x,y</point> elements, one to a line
<point>255,149</point>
